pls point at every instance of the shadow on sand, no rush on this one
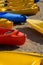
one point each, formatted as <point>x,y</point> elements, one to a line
<point>32,34</point>
<point>7,47</point>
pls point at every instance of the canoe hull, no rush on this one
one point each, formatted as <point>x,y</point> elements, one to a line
<point>17,18</point>
<point>33,9</point>
<point>29,9</point>
<point>36,24</point>
<point>20,58</point>
<point>6,23</point>
<point>12,37</point>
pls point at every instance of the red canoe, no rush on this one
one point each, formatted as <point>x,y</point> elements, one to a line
<point>12,37</point>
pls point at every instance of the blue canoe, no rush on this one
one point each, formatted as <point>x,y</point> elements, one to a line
<point>36,1</point>
<point>17,18</point>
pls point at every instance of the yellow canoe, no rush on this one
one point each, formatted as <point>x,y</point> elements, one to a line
<point>20,1</point>
<point>6,23</point>
<point>29,9</point>
<point>21,8</point>
<point>20,58</point>
<point>16,2</point>
<point>36,24</point>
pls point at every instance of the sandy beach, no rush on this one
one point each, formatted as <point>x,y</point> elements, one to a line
<point>34,41</point>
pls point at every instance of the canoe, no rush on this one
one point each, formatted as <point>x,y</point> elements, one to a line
<point>36,1</point>
<point>25,9</point>
<point>11,37</point>
<point>29,9</point>
<point>6,23</point>
<point>20,1</point>
<point>15,2</point>
<point>20,58</point>
<point>17,18</point>
<point>36,24</point>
